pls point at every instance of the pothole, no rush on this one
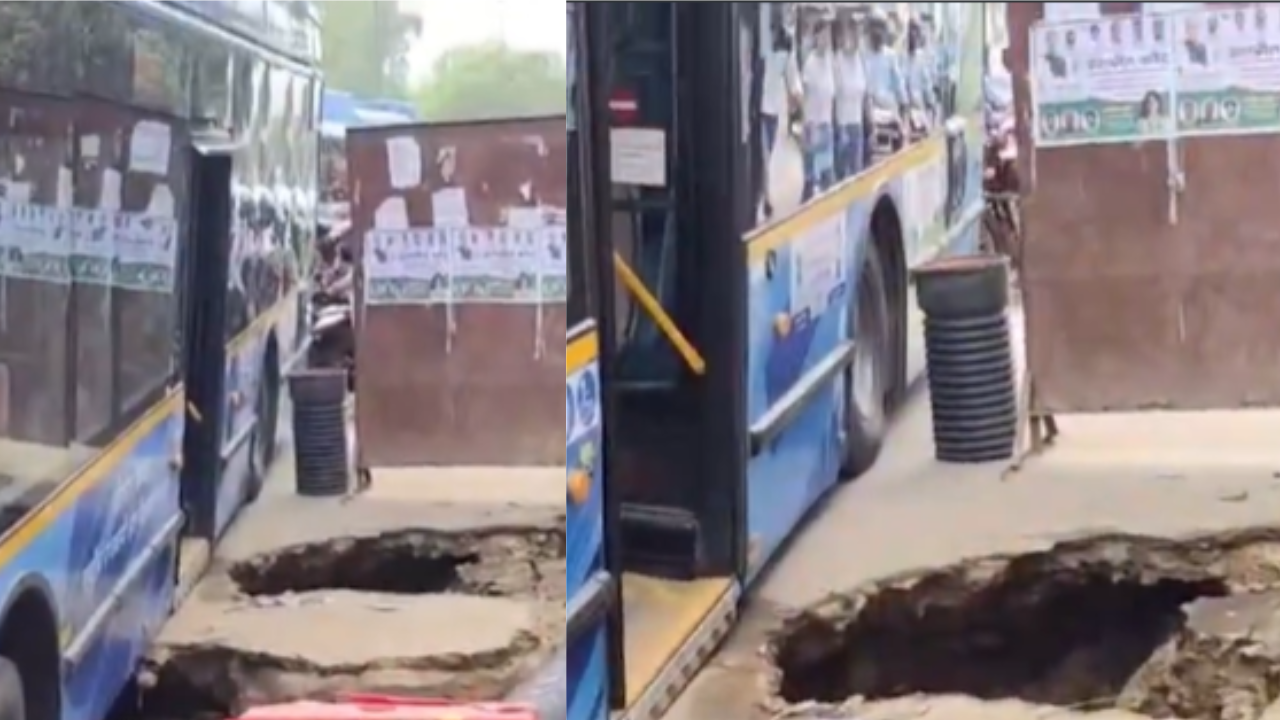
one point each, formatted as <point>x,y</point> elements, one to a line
<point>492,563</point>
<point>445,614</point>
<point>1157,627</point>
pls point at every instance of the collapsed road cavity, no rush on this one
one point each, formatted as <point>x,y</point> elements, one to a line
<point>1163,628</point>
<point>460,614</point>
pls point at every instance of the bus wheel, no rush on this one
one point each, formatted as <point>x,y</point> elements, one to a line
<point>13,702</point>
<point>865,391</point>
<point>263,452</point>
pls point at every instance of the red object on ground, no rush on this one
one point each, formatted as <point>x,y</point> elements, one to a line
<point>380,707</point>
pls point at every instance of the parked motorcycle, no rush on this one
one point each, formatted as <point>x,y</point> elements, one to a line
<point>332,308</point>
<point>1001,223</point>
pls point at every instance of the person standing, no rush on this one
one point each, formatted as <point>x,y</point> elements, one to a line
<point>819,82</point>
<point>780,91</point>
<point>886,90</point>
<point>920,85</point>
<point>851,104</point>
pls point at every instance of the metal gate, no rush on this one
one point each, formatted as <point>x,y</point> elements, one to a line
<point>1151,269</point>
<point>459,349</point>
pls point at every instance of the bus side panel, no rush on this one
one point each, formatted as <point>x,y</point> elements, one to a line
<point>800,282</point>
<point>588,679</point>
<point>803,273</point>
<point>244,379</point>
<point>108,536</point>
<point>587,684</point>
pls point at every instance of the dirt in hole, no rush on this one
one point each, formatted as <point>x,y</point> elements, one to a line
<point>1152,626</point>
<point>505,562</point>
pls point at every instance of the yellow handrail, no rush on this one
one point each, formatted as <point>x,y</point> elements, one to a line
<point>658,314</point>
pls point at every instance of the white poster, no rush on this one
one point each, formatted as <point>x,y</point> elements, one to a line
<point>1228,70</point>
<point>404,162</point>
<point>553,265</point>
<point>817,269</point>
<point>1072,11</point>
<point>92,246</point>
<point>407,267</point>
<point>146,252</point>
<point>38,241</point>
<point>150,146</point>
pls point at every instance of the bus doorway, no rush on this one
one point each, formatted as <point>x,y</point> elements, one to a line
<point>657,212</point>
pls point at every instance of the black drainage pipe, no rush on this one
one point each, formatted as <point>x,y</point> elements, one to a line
<point>320,432</point>
<point>972,382</point>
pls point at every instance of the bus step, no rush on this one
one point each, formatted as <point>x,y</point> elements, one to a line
<point>661,541</point>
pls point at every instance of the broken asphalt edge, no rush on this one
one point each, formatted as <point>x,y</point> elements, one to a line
<point>546,689</point>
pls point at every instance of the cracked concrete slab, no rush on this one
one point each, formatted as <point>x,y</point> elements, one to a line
<point>1164,476</point>
<point>332,633</point>
<point>437,498</point>
<point>227,648</point>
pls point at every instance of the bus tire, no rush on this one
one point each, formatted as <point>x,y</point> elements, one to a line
<point>13,701</point>
<point>866,377</point>
<point>263,452</point>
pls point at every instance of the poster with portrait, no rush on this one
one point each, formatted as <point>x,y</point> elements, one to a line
<point>1228,62</point>
<point>145,252</point>
<point>1108,80</point>
<point>553,265</point>
<point>37,242</point>
<point>93,246</point>
<point>407,266</point>
<point>1193,70</point>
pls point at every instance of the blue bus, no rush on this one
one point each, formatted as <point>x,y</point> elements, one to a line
<point>157,201</point>
<point>742,243</point>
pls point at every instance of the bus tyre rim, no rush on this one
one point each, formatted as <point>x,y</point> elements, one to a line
<point>867,388</point>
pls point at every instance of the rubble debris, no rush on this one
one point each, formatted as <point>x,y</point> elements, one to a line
<point>1159,627</point>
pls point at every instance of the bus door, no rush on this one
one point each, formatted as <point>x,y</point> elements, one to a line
<point>670,312</point>
<point>206,316</point>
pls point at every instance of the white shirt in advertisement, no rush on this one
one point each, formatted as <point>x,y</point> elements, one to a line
<point>819,88</point>
<point>851,88</point>
<point>781,78</point>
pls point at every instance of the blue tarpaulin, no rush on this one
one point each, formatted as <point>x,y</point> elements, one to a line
<point>341,110</point>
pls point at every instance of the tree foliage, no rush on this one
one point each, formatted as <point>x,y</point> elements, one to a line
<point>366,46</point>
<point>493,80</point>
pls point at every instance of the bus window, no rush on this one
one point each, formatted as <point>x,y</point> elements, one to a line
<point>279,155</point>
<point>35,56</point>
<point>161,73</point>
<point>130,164</point>
<point>212,73</point>
<point>35,169</point>
<point>249,98</point>
<point>969,55</point>
<point>154,192</point>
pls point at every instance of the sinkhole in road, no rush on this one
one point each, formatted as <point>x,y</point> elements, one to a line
<point>504,562</point>
<point>1158,627</point>
<point>212,669</point>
